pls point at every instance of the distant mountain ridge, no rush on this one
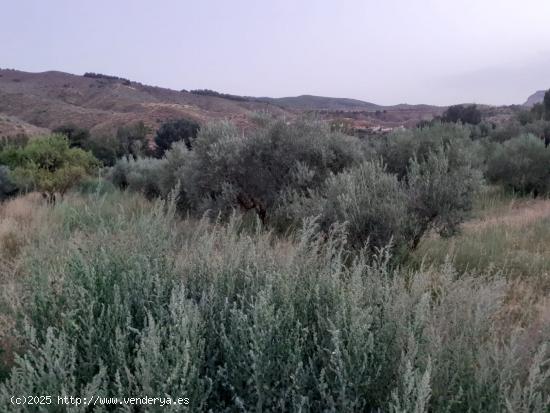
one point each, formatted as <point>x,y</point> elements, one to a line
<point>311,102</point>
<point>37,102</point>
<point>102,103</point>
<point>535,98</point>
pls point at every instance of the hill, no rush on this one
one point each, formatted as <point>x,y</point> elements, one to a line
<point>102,103</point>
<point>37,102</point>
<point>535,98</point>
<point>310,102</point>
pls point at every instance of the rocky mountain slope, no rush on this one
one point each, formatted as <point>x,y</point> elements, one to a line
<point>535,98</point>
<point>32,103</point>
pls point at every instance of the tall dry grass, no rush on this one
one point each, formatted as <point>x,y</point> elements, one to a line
<point>509,235</point>
<point>20,219</point>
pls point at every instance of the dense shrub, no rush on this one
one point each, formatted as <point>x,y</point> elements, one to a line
<point>379,209</point>
<point>78,137</point>
<point>141,175</point>
<point>507,131</point>
<point>399,147</point>
<point>7,186</point>
<point>49,165</point>
<point>462,113</point>
<point>246,322</point>
<point>226,170</point>
<point>95,185</point>
<point>546,104</point>
<point>440,194</point>
<point>132,140</point>
<point>251,172</point>
<point>286,173</point>
<point>521,164</point>
<point>16,141</point>
<point>106,148</point>
<point>372,202</point>
<point>173,131</point>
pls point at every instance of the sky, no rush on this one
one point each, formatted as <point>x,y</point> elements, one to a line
<point>383,51</point>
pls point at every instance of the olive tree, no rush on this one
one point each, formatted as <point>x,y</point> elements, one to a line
<point>173,131</point>
<point>49,165</point>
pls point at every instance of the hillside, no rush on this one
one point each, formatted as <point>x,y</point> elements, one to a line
<point>535,98</point>
<point>36,102</point>
<point>309,102</point>
<point>50,99</point>
<point>12,126</point>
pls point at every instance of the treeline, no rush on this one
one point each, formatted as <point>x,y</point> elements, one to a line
<point>208,92</point>
<point>92,75</point>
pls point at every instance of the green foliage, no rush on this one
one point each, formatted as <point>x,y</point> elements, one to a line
<point>462,113</point>
<point>208,92</point>
<point>101,76</point>
<point>95,185</point>
<point>173,131</point>
<point>379,209</point>
<point>288,172</point>
<point>372,202</point>
<point>132,140</point>
<point>399,148</point>
<point>7,187</point>
<point>521,164</point>
<point>105,148</point>
<point>226,170</point>
<point>526,116</point>
<point>440,194</point>
<point>48,164</point>
<point>78,137</point>
<point>140,175</point>
<point>546,104</point>
<point>149,305</point>
<point>16,141</point>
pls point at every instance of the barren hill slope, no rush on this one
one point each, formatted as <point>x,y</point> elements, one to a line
<point>102,103</point>
<point>51,99</point>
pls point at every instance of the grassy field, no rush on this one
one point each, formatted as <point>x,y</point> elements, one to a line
<point>114,295</point>
<point>507,234</point>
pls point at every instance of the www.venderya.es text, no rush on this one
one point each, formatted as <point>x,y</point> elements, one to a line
<point>94,400</point>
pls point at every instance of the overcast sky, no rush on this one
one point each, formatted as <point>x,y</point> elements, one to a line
<point>383,51</point>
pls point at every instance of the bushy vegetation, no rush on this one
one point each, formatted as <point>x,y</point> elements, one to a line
<point>8,188</point>
<point>208,92</point>
<point>78,137</point>
<point>107,77</point>
<point>521,164</point>
<point>132,140</point>
<point>286,173</point>
<point>400,147</point>
<point>47,164</point>
<point>174,131</point>
<point>226,170</point>
<point>242,321</point>
<point>291,268</point>
<point>462,113</point>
